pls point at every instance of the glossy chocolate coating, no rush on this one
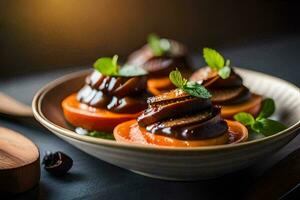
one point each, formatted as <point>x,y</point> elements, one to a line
<point>172,96</point>
<point>234,80</point>
<point>117,94</point>
<point>158,66</point>
<point>163,65</point>
<point>168,109</point>
<point>206,124</point>
<point>225,91</point>
<point>177,114</point>
<point>229,95</point>
<point>127,104</point>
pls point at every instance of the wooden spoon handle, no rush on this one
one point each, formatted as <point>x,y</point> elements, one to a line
<point>12,107</point>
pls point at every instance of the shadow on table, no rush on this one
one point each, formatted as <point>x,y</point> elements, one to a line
<point>43,192</point>
<point>150,188</point>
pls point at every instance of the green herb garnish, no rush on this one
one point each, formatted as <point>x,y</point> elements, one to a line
<point>217,62</point>
<point>191,87</point>
<point>177,79</point>
<point>109,67</point>
<point>261,124</point>
<point>102,135</point>
<point>268,108</point>
<point>159,46</point>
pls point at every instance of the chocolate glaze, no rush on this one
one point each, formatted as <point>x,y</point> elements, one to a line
<point>230,95</point>
<point>179,115</point>
<point>117,94</point>
<point>172,95</point>
<point>225,91</point>
<point>177,108</point>
<point>158,66</point>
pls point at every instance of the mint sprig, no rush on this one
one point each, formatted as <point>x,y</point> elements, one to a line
<point>217,62</point>
<point>245,118</point>
<point>261,124</point>
<point>191,87</point>
<point>177,79</point>
<point>197,90</point>
<point>268,108</point>
<point>109,67</point>
<point>270,127</point>
<point>159,46</point>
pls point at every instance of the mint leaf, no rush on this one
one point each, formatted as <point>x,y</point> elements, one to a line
<point>177,79</point>
<point>216,62</point>
<point>159,46</point>
<point>115,60</point>
<point>197,90</point>
<point>267,109</point>
<point>103,135</point>
<point>132,70</point>
<point>270,127</point>
<point>257,126</point>
<point>261,124</point>
<point>224,72</point>
<point>154,44</point>
<point>191,87</point>
<point>245,118</point>
<point>107,66</point>
<point>214,59</point>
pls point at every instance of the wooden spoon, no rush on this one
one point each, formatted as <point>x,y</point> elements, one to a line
<point>19,163</point>
<point>11,107</point>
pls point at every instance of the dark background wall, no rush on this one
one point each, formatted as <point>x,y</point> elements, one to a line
<point>45,34</point>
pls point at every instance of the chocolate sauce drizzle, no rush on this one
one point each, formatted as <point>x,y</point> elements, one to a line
<point>224,91</point>
<point>158,66</point>
<point>177,114</point>
<point>117,94</point>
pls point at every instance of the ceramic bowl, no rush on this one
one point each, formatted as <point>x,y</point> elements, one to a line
<point>169,162</point>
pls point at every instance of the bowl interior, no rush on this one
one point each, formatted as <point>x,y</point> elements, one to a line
<point>51,100</point>
<point>286,96</point>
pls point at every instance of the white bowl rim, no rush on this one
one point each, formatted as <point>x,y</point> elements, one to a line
<point>37,112</point>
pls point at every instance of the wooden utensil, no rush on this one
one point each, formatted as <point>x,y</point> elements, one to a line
<point>19,163</point>
<point>11,106</point>
<point>12,109</point>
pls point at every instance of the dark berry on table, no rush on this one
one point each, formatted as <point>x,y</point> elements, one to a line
<point>57,163</point>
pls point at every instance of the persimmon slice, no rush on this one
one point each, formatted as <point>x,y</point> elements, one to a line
<point>251,106</point>
<point>157,86</point>
<point>91,118</point>
<point>131,132</point>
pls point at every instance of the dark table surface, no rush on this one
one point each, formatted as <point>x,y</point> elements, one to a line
<point>91,178</point>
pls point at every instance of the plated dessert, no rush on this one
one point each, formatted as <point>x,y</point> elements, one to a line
<point>159,57</point>
<point>114,103</point>
<point>226,86</point>
<point>182,163</point>
<point>111,95</point>
<point>183,117</point>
